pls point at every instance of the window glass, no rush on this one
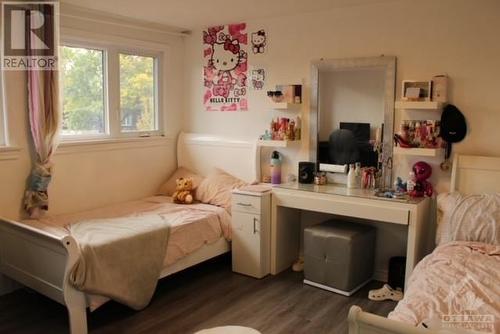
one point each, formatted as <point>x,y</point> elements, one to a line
<point>137,93</point>
<point>84,103</point>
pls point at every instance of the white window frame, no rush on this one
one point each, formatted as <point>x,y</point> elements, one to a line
<point>107,134</point>
<point>157,69</point>
<point>111,85</point>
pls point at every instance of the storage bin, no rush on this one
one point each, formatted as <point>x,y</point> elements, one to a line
<point>339,256</point>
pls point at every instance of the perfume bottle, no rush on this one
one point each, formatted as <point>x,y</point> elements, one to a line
<point>357,173</point>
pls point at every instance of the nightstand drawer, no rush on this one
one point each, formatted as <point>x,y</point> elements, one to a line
<point>246,203</point>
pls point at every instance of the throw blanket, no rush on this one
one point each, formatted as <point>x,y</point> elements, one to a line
<point>121,258</point>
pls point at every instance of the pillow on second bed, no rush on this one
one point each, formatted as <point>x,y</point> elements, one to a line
<point>168,188</point>
<point>468,218</point>
<point>216,189</point>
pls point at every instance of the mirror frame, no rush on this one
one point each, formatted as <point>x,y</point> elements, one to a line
<point>386,62</point>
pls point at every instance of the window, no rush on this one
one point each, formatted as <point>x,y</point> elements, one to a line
<point>109,93</point>
<point>137,93</point>
<point>83,92</point>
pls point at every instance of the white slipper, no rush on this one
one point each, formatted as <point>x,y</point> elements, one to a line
<point>385,293</point>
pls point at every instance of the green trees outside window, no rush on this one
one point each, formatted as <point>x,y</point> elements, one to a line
<point>85,92</point>
<point>137,95</point>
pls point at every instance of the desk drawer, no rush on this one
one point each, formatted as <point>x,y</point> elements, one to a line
<point>246,203</point>
<point>370,209</point>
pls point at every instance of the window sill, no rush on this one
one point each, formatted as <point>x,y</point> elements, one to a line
<point>9,152</point>
<point>110,144</point>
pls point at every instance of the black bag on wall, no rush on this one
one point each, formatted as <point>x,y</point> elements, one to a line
<point>453,127</point>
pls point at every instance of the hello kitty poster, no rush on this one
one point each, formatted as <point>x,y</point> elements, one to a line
<point>225,68</point>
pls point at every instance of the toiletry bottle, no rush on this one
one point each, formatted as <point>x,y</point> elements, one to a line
<point>275,167</point>
<point>357,173</point>
<point>351,177</point>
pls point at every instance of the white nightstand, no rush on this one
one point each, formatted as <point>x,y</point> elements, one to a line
<point>251,221</point>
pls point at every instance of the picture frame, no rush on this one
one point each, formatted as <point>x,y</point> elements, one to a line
<point>409,87</point>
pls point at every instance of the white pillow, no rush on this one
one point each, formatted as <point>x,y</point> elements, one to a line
<point>468,218</point>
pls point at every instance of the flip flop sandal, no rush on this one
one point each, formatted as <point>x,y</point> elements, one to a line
<point>385,293</point>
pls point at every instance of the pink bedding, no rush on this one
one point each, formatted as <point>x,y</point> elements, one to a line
<point>192,226</point>
<point>458,285</point>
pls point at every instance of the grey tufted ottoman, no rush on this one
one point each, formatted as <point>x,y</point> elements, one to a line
<point>339,256</point>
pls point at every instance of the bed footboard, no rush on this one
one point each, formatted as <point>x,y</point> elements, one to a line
<point>42,261</point>
<point>367,323</point>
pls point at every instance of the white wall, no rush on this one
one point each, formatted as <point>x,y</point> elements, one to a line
<point>428,37</point>
<point>89,176</point>
<point>92,176</point>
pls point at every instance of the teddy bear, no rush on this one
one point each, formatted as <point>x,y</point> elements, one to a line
<point>184,191</point>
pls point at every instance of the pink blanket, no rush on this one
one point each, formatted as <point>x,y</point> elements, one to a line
<point>458,285</point>
<point>192,226</point>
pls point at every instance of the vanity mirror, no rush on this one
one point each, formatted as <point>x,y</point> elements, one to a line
<point>352,113</point>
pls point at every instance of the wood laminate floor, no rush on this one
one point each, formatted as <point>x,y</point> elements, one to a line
<point>205,296</point>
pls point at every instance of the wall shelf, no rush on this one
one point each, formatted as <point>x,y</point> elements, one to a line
<point>276,143</point>
<point>285,106</point>
<point>419,105</point>
<point>424,152</point>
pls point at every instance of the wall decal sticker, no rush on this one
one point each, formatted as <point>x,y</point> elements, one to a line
<point>258,78</point>
<point>225,69</point>
<point>259,40</point>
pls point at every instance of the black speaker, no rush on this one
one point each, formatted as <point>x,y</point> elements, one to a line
<point>397,268</point>
<point>306,172</point>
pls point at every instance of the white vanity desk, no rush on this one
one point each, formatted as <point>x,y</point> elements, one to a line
<point>338,200</point>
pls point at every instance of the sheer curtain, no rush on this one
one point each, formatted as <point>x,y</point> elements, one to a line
<point>44,121</point>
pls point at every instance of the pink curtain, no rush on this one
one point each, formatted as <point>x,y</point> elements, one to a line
<point>44,120</point>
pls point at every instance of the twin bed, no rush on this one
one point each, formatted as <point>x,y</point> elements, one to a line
<point>456,289</point>
<point>41,254</point>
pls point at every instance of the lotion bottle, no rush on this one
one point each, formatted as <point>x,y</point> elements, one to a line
<point>351,177</point>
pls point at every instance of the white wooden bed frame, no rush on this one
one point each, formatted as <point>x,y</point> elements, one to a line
<point>42,260</point>
<point>470,175</point>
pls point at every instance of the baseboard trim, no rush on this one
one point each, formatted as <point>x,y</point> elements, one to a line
<point>340,292</point>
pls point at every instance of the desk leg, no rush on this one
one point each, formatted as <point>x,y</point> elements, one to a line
<point>417,241</point>
<point>410,251</point>
<point>285,237</point>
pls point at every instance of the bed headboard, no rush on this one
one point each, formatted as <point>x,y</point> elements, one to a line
<point>472,174</point>
<point>202,152</point>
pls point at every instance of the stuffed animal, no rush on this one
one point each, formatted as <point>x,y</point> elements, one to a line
<point>400,185</point>
<point>423,187</point>
<point>184,191</point>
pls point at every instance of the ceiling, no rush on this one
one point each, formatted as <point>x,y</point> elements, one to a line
<point>190,14</point>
